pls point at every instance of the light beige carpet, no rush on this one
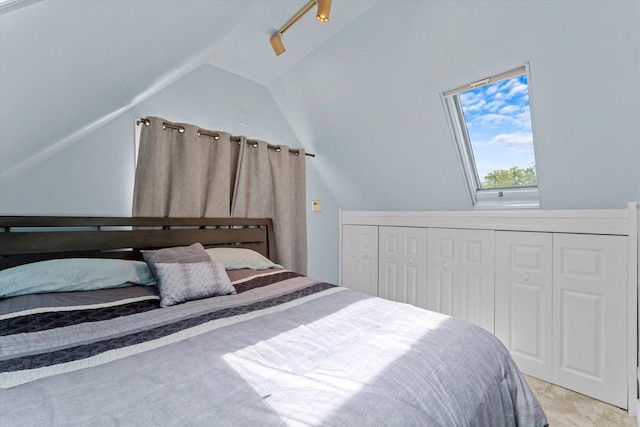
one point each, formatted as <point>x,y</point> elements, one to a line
<point>567,408</point>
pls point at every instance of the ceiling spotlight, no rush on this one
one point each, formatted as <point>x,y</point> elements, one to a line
<point>324,8</point>
<point>276,43</point>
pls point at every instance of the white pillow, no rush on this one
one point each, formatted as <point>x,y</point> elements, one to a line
<point>238,258</point>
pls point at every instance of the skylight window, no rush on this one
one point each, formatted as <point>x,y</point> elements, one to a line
<point>491,126</point>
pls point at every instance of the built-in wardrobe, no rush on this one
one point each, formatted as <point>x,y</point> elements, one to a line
<point>559,288</point>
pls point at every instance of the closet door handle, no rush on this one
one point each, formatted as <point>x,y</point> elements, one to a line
<point>444,265</point>
<point>410,261</point>
<point>525,277</point>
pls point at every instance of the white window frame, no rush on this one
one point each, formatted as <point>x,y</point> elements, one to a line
<point>499,198</point>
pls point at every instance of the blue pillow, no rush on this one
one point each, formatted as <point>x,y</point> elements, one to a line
<point>73,274</point>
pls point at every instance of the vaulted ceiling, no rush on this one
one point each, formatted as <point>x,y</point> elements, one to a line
<point>67,67</point>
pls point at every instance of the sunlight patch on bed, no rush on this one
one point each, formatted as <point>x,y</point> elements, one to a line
<point>325,363</point>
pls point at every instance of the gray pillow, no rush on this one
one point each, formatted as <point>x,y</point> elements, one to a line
<point>179,254</point>
<point>186,273</point>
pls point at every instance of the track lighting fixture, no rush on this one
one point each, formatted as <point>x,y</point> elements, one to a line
<point>324,8</point>
<point>276,43</point>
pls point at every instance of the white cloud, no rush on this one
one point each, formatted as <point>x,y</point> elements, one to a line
<point>476,106</point>
<point>492,89</point>
<point>493,120</point>
<point>473,101</point>
<point>509,109</point>
<point>517,90</point>
<point>494,105</point>
<point>508,84</point>
<point>518,141</point>
<point>524,118</point>
<point>500,105</point>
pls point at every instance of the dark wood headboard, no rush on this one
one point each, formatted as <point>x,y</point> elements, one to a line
<point>25,239</point>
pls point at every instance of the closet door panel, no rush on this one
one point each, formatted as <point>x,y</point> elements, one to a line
<point>461,273</point>
<point>475,300</point>
<point>350,256</point>
<point>360,258</point>
<point>469,299</point>
<point>590,349</point>
<point>390,260</point>
<point>388,281</point>
<point>524,299</point>
<point>403,265</point>
<point>442,269</point>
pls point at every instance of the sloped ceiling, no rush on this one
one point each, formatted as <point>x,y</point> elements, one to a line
<point>68,67</point>
<point>245,49</point>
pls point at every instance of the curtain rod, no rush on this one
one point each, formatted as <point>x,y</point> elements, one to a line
<point>252,142</point>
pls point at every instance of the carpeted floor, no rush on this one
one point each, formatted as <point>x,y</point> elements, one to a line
<point>567,408</point>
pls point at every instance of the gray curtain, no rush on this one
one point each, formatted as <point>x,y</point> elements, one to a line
<point>181,174</point>
<point>271,183</point>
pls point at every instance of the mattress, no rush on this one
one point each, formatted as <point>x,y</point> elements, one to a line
<point>285,349</point>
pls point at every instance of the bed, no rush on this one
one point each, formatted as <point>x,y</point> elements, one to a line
<point>271,348</point>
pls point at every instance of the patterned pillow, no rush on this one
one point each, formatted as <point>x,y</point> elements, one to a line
<point>179,283</point>
<point>186,273</point>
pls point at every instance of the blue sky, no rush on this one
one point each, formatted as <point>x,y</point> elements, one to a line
<point>499,125</point>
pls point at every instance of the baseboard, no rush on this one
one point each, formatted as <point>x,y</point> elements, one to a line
<point>638,412</point>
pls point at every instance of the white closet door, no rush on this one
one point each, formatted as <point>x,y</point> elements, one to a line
<point>524,299</point>
<point>461,274</point>
<point>476,301</point>
<point>360,258</point>
<point>443,264</point>
<point>403,265</point>
<point>590,347</point>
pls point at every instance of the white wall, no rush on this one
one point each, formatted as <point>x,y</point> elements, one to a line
<point>94,176</point>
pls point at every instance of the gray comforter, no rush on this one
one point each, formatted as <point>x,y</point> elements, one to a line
<point>285,350</point>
